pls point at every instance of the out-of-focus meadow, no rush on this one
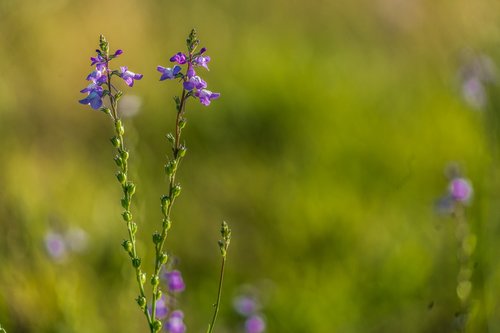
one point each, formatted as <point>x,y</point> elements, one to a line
<point>326,153</point>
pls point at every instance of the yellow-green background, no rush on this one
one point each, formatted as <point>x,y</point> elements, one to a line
<point>325,153</point>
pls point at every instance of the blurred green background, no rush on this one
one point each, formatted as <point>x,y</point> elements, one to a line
<point>326,154</point>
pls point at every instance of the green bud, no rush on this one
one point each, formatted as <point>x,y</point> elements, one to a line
<point>119,127</point>
<point>115,142</point>
<point>127,216</point>
<point>157,238</point>
<point>163,258</point>
<point>170,138</point>
<point>136,262</point>
<point>105,110</point>
<point>133,228</point>
<point>157,325</point>
<point>118,95</point>
<point>142,278</point>
<point>103,44</point>
<point>176,190</point>
<point>171,167</point>
<point>124,155</point>
<point>165,202</point>
<point>122,178</point>
<point>125,203</point>
<point>127,245</point>
<point>130,188</point>
<point>155,280</point>
<point>182,123</point>
<point>182,151</point>
<point>118,160</point>
<point>166,224</point>
<point>158,294</point>
<point>225,231</point>
<point>141,301</point>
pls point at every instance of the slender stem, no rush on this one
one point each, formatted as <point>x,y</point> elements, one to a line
<point>126,201</point>
<point>219,294</point>
<point>171,194</point>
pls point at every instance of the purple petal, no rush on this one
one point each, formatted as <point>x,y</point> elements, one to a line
<point>188,85</point>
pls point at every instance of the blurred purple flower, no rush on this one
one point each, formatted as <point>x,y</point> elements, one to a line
<point>475,75</point>
<point>179,58</point>
<point>174,281</point>
<point>245,305</point>
<point>129,76</point>
<point>205,96</point>
<point>168,73</point>
<point>461,190</point>
<point>55,245</point>
<point>175,323</point>
<point>161,308</point>
<point>255,324</point>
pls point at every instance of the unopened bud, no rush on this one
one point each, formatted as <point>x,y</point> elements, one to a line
<point>141,301</point>
<point>122,178</point>
<point>115,142</point>
<point>127,216</point>
<point>136,262</point>
<point>127,245</point>
<point>176,190</point>
<point>155,280</point>
<point>157,238</point>
<point>157,325</point>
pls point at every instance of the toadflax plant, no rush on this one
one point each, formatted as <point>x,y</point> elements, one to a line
<point>103,95</point>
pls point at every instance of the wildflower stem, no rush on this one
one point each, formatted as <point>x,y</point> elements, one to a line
<point>219,294</point>
<point>167,203</point>
<point>128,189</point>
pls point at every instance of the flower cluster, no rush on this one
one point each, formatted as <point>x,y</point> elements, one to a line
<point>101,76</point>
<point>193,84</point>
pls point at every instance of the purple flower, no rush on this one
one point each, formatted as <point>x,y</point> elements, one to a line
<point>190,72</point>
<point>55,245</point>
<point>179,58</point>
<point>461,190</point>
<point>175,323</point>
<point>175,281</point>
<point>194,82</point>
<point>255,324</point>
<point>99,61</point>
<point>94,98</point>
<point>161,308</point>
<point>245,305</point>
<point>168,73</point>
<point>206,96</point>
<point>202,61</point>
<point>129,76</point>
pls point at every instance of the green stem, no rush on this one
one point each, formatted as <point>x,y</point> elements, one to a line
<point>167,210</point>
<point>126,201</point>
<point>219,294</point>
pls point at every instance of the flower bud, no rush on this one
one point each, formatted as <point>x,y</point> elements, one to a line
<point>166,224</point>
<point>124,155</point>
<point>157,325</point>
<point>125,203</point>
<point>182,123</point>
<point>170,138</point>
<point>115,142</point>
<point>127,245</point>
<point>118,95</point>
<point>155,280</point>
<point>119,127</point>
<point>176,190</point>
<point>157,238</point>
<point>158,294</point>
<point>118,160</point>
<point>127,216</point>
<point>133,228</point>
<point>163,258</point>
<point>171,167</point>
<point>165,202</point>
<point>182,151</point>
<point>141,300</point>
<point>122,178</point>
<point>142,277</point>
<point>103,44</point>
<point>136,262</point>
<point>105,110</point>
<point>130,188</point>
